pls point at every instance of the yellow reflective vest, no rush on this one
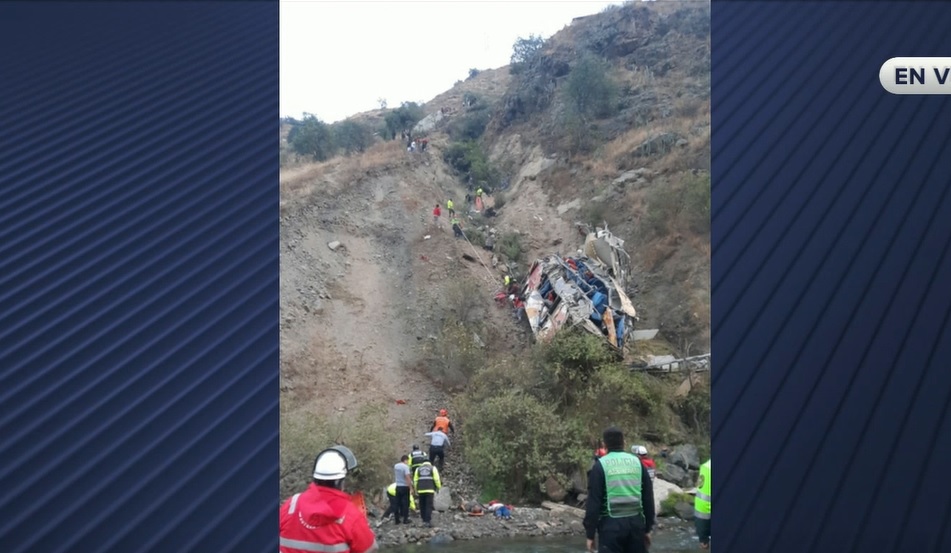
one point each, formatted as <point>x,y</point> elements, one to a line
<point>703,501</point>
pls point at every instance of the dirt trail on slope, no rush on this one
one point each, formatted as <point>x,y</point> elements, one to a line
<point>355,319</point>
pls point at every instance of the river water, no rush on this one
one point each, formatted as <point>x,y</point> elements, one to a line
<point>674,540</point>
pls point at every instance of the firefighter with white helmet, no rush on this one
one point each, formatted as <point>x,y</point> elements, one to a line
<point>324,517</point>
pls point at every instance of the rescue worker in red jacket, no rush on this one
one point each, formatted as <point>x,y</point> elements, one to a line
<point>443,424</point>
<point>324,518</point>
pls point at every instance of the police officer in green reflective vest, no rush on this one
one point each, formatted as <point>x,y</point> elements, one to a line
<point>620,505</point>
<point>701,506</point>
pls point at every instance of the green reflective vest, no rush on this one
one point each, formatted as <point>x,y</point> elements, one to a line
<point>702,502</point>
<point>622,479</point>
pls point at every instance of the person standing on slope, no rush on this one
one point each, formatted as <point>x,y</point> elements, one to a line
<point>323,517</point>
<point>443,423</point>
<point>438,441</point>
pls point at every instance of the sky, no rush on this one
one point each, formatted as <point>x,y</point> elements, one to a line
<point>338,58</point>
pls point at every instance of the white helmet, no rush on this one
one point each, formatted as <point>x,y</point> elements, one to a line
<point>332,464</point>
<point>638,450</point>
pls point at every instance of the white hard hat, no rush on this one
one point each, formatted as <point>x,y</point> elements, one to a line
<point>331,464</point>
<point>512,297</point>
<point>639,450</point>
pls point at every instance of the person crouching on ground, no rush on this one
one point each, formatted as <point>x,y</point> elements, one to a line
<point>323,517</point>
<point>620,504</point>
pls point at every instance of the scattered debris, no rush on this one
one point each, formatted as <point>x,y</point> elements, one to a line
<point>585,290</point>
<point>643,335</point>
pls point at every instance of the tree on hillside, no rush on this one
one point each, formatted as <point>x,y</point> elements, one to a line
<point>526,51</point>
<point>312,137</point>
<point>589,88</point>
<point>403,118</point>
<point>352,136</point>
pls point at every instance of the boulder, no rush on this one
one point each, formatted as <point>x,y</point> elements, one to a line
<point>662,489</point>
<point>443,500</point>
<point>676,475</point>
<point>334,246</point>
<point>684,510</point>
<point>685,456</point>
<point>554,490</point>
<point>441,538</point>
<point>579,482</point>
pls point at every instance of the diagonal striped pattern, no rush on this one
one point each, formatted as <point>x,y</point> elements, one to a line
<point>830,268</point>
<point>139,277</point>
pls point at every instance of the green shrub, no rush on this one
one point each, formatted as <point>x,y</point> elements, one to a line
<point>668,507</point>
<point>304,435</point>
<point>468,158</point>
<point>589,89</point>
<point>455,355</point>
<point>514,439</point>
<point>686,202</point>
<point>351,136</point>
<point>510,245</point>
<point>312,137</point>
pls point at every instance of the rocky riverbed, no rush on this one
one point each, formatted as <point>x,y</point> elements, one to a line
<point>456,525</point>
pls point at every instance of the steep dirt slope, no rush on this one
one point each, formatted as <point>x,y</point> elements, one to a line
<point>355,320</point>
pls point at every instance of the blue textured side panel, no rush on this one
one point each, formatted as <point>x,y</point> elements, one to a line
<point>830,280</point>
<point>138,276</point>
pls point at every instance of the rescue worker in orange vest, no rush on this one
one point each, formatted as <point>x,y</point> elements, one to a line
<point>443,424</point>
<point>323,517</point>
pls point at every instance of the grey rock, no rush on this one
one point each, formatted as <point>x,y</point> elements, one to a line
<point>685,456</point>
<point>334,245</point>
<point>675,475</point>
<point>443,500</point>
<point>554,490</point>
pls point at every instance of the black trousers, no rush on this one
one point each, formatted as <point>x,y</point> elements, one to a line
<point>426,506</point>
<point>392,509</point>
<point>621,535</point>
<point>402,504</point>
<point>434,452</point>
<point>703,529</point>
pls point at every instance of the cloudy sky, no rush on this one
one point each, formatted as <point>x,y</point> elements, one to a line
<point>339,57</point>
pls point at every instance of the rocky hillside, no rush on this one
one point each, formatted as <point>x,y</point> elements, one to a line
<point>372,287</point>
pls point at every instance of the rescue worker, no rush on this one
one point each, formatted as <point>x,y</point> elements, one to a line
<point>456,228</point>
<point>479,192</point>
<point>394,507</point>
<point>620,505</point>
<point>427,483</point>
<point>403,479</point>
<point>416,458</point>
<point>442,423</point>
<point>452,212</point>
<point>648,463</point>
<point>701,506</point>
<point>438,439</point>
<point>323,517</point>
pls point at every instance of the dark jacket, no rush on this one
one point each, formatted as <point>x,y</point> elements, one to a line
<point>596,502</point>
